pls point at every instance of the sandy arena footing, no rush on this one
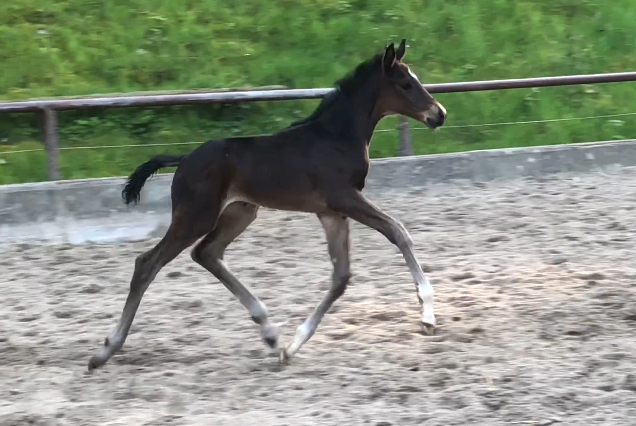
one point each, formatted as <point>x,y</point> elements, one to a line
<point>535,298</point>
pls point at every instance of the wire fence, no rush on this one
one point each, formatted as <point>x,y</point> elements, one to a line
<point>507,123</point>
<point>49,107</point>
<point>459,126</point>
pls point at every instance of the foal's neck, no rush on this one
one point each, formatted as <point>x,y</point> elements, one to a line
<point>355,116</point>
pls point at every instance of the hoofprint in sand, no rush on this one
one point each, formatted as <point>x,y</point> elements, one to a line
<point>535,297</point>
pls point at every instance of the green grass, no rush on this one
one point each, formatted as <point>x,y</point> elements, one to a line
<point>66,47</point>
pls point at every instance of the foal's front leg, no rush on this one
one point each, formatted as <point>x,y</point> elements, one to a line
<point>337,233</point>
<point>356,206</point>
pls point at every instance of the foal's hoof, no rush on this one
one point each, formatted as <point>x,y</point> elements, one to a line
<point>269,334</point>
<point>95,362</point>
<point>101,357</point>
<point>284,358</point>
<point>427,329</point>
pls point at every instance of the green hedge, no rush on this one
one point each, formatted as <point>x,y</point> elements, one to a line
<point>102,46</point>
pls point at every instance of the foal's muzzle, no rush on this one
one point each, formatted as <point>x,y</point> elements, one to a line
<point>436,119</point>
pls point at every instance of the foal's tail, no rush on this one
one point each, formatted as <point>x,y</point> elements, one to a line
<point>137,179</point>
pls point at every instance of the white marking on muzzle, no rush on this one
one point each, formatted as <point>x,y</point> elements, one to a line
<point>441,107</point>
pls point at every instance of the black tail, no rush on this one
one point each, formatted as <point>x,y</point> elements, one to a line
<point>137,179</point>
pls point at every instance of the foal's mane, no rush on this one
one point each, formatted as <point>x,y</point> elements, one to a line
<point>344,87</point>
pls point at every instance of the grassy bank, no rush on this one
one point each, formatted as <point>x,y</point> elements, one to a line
<point>74,48</point>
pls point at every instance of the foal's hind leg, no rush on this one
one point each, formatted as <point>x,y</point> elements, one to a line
<point>147,265</point>
<point>209,254</point>
<point>337,233</point>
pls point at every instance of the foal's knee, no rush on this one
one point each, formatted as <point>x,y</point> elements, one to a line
<point>340,282</point>
<point>206,255</point>
<point>400,237</point>
<point>201,252</point>
<point>196,254</point>
<point>342,278</point>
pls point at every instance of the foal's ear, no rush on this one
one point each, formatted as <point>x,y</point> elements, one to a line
<point>401,50</point>
<point>389,57</point>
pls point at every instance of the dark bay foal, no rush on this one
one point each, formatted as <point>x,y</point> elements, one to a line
<point>317,165</point>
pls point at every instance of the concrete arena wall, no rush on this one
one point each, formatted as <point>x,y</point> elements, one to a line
<point>91,210</point>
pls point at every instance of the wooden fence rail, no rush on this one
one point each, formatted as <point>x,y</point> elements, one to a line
<point>49,106</point>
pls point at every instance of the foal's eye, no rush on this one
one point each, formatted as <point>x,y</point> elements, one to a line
<point>406,86</point>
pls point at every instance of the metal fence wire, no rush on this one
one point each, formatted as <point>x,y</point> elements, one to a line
<point>49,107</point>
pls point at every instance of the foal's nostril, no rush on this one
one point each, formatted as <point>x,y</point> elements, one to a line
<point>441,117</point>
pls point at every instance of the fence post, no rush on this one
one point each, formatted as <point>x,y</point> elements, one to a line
<point>51,143</point>
<point>405,137</point>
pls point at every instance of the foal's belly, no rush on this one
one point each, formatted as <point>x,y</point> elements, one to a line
<point>293,193</point>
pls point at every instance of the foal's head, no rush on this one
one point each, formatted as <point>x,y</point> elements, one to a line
<point>402,93</point>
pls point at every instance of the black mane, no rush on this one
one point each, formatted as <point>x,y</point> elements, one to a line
<point>344,87</point>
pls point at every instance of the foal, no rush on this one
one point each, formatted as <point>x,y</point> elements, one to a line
<point>317,165</point>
